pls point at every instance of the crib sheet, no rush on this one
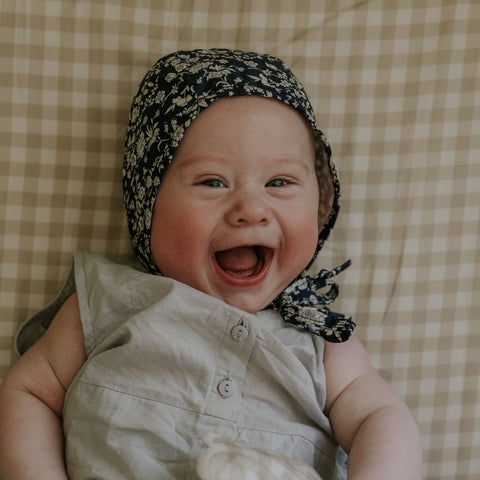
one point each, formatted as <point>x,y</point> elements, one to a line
<point>396,87</point>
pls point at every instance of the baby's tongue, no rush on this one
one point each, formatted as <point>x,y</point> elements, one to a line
<point>240,261</point>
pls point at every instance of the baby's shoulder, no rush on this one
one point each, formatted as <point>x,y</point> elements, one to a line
<point>344,364</point>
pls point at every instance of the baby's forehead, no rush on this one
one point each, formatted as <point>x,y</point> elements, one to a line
<point>252,117</point>
<point>255,104</point>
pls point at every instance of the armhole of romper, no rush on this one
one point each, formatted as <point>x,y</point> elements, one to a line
<point>82,289</point>
<point>34,327</point>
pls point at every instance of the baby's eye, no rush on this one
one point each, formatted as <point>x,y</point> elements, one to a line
<point>277,182</point>
<point>213,182</point>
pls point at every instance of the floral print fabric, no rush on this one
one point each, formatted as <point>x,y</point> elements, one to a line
<point>301,305</point>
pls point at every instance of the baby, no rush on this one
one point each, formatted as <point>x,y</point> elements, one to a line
<point>230,193</point>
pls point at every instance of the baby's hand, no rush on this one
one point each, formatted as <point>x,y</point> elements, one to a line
<point>226,460</point>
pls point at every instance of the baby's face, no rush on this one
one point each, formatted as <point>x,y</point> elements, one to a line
<point>236,213</point>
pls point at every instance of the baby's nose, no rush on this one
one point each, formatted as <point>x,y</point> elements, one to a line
<point>248,209</point>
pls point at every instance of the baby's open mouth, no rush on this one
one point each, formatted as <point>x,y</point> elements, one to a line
<point>245,261</point>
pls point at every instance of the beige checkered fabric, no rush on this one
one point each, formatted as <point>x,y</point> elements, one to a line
<point>397,90</point>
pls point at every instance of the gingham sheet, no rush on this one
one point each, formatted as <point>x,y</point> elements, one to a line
<point>397,90</point>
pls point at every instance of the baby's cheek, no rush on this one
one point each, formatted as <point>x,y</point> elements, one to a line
<point>306,241</point>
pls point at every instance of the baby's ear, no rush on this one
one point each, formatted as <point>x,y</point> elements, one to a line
<point>325,184</point>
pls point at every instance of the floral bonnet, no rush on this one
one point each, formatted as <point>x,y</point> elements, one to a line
<point>172,94</point>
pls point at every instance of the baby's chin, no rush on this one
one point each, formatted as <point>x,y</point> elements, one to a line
<point>248,303</point>
<point>248,307</point>
<point>250,299</point>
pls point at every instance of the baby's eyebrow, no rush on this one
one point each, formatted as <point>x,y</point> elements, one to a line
<point>205,161</point>
<point>287,161</point>
<point>200,160</point>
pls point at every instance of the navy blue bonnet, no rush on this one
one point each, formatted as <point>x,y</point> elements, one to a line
<point>172,94</point>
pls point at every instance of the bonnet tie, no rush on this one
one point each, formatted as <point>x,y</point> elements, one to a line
<point>301,305</point>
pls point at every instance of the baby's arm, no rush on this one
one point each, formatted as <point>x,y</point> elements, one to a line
<point>370,421</point>
<point>32,396</point>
